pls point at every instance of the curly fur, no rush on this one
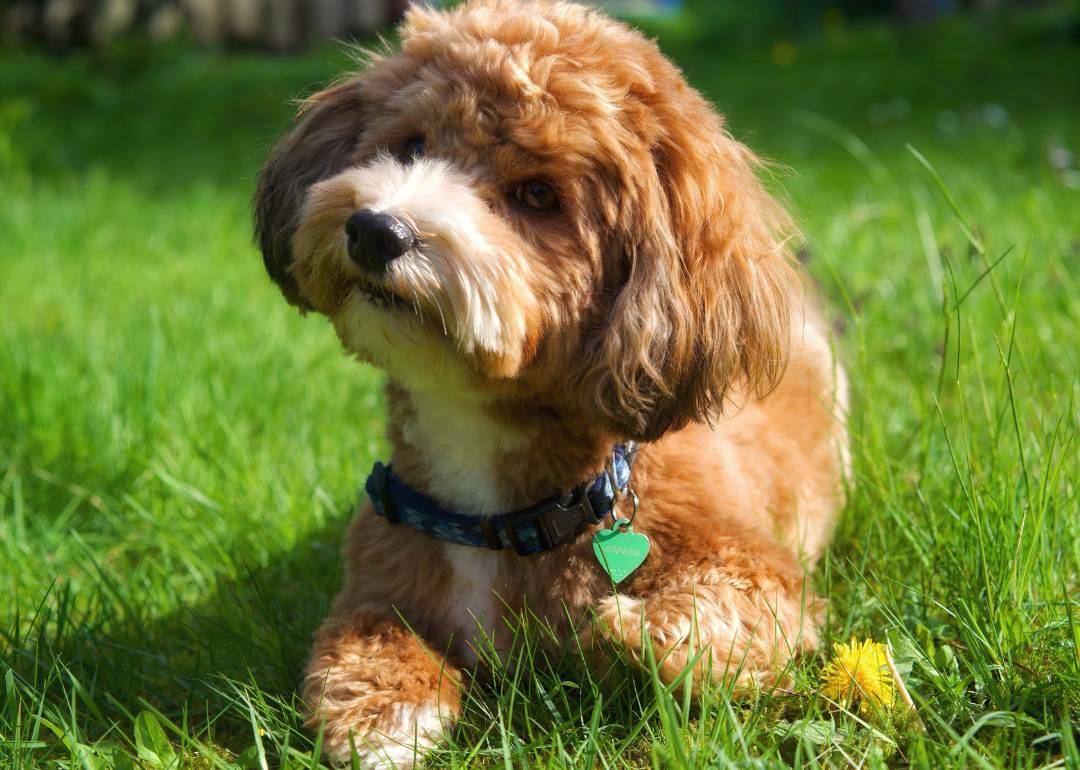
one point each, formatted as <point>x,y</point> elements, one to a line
<point>657,302</point>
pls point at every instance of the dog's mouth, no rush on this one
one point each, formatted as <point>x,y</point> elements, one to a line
<point>383,298</point>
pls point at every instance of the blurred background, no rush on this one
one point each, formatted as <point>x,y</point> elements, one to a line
<point>289,24</point>
<point>274,24</point>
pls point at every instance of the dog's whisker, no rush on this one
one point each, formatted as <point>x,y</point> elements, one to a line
<point>442,318</point>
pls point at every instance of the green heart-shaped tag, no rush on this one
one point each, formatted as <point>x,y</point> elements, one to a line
<point>620,553</point>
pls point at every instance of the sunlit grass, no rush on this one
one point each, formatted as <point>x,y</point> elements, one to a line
<point>179,451</point>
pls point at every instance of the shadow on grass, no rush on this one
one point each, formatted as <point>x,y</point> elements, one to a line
<point>256,631</point>
<point>229,668</point>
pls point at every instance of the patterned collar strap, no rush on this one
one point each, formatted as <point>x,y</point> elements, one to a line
<point>535,529</point>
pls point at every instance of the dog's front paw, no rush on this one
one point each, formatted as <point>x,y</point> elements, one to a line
<point>372,685</point>
<point>750,634</point>
<point>399,737</point>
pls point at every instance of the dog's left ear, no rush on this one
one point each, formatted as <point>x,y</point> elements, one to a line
<point>320,143</point>
<point>705,313</point>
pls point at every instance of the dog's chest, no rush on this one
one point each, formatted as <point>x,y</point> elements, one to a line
<point>460,445</point>
<point>475,600</point>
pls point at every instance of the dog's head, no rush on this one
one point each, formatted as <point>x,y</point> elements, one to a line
<point>528,198</point>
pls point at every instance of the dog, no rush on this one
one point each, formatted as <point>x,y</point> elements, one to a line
<point>584,301</point>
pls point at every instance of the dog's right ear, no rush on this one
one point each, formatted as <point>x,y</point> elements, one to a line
<point>320,142</point>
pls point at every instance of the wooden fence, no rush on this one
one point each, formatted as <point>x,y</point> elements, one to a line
<point>275,24</point>
<point>290,24</point>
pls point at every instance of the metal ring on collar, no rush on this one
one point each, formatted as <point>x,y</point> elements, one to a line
<point>625,524</point>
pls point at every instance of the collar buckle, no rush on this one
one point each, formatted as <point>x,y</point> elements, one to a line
<point>554,523</point>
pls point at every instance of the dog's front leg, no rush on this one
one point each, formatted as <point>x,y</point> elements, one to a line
<point>371,678</point>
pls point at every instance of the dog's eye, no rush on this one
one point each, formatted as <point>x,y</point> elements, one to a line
<point>537,195</point>
<point>414,150</point>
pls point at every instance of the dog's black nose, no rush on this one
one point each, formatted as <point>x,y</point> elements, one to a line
<point>375,240</point>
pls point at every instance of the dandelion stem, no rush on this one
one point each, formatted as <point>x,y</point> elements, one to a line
<point>905,696</point>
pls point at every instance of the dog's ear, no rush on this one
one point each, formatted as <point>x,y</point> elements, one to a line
<point>319,143</point>
<point>705,312</point>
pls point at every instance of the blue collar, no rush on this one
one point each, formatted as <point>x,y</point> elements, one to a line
<point>538,528</point>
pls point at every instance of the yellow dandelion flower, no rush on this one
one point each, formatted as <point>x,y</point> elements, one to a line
<point>859,673</point>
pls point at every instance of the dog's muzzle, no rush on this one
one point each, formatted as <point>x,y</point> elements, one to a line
<point>376,239</point>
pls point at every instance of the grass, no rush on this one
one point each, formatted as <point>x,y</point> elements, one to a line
<point>179,451</point>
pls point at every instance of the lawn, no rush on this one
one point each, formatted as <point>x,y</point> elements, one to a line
<point>180,451</point>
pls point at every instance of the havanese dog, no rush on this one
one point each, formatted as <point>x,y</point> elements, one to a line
<point>608,401</point>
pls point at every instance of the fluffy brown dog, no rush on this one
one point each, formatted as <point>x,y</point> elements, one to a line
<point>549,243</point>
